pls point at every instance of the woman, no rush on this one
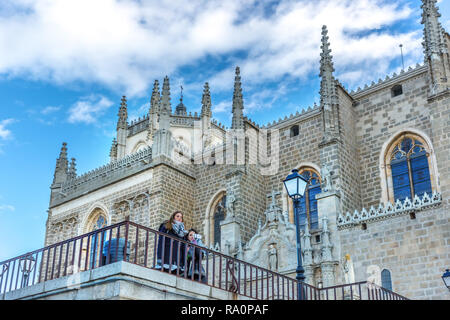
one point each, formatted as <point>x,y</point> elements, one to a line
<point>193,256</point>
<point>170,252</point>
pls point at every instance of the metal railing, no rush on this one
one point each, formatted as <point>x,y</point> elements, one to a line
<point>140,245</point>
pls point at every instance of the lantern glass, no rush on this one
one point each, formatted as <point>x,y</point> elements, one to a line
<point>295,184</point>
<point>446,278</point>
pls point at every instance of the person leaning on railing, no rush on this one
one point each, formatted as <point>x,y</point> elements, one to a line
<point>174,227</point>
<point>193,254</point>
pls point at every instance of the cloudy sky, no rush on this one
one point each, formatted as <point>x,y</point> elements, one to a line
<point>65,64</point>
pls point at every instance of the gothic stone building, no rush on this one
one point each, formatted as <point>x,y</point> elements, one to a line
<point>377,161</point>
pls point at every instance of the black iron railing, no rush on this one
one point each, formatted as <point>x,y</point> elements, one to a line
<point>137,244</point>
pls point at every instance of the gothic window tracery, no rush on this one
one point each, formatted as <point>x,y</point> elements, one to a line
<point>409,168</point>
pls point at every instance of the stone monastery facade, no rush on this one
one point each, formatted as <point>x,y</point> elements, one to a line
<point>377,160</point>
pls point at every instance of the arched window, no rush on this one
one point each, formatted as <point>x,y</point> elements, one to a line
<point>386,281</point>
<point>308,203</point>
<point>96,220</point>
<point>408,162</point>
<point>218,216</point>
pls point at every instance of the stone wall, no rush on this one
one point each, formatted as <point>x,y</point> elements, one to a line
<point>415,251</point>
<point>379,117</point>
<point>295,151</point>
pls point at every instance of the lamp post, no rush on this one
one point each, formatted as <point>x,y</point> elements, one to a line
<point>27,265</point>
<point>295,186</point>
<point>446,278</point>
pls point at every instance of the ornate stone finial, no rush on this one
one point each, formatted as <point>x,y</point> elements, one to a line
<point>123,114</point>
<point>165,97</point>
<point>206,102</point>
<point>72,169</point>
<point>435,48</point>
<point>434,41</point>
<point>328,88</point>
<point>273,195</point>
<point>62,164</point>
<point>155,99</point>
<point>113,151</point>
<point>326,63</point>
<point>238,103</point>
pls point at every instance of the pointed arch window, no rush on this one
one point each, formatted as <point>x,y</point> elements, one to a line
<point>386,281</point>
<point>409,168</point>
<point>97,221</point>
<point>218,216</point>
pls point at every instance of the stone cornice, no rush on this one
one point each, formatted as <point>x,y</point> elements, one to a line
<point>388,210</point>
<point>388,82</point>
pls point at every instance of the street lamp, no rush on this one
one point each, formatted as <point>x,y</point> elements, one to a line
<point>446,278</point>
<point>27,265</point>
<point>295,186</point>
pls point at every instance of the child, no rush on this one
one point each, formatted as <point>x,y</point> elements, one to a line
<point>193,254</point>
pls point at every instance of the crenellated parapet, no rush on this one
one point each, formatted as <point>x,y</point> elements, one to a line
<point>388,210</point>
<point>388,81</point>
<point>104,175</point>
<point>298,116</point>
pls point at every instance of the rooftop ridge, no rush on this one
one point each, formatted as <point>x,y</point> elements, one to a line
<point>388,79</point>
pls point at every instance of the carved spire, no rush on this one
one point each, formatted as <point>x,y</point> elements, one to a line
<point>165,97</point>
<point>435,48</point>
<point>123,114</point>
<point>155,105</point>
<point>155,99</point>
<point>62,164</point>
<point>433,35</point>
<point>327,85</point>
<point>328,90</point>
<point>72,169</point>
<point>206,101</point>
<point>238,103</point>
<point>113,151</point>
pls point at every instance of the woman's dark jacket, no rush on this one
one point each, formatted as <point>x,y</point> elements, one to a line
<point>178,250</point>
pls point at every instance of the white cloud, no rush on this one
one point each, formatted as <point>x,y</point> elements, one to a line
<point>88,109</point>
<point>127,44</point>
<point>50,109</point>
<point>7,207</point>
<point>5,133</point>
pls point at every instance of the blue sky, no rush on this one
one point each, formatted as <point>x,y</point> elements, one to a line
<point>65,64</point>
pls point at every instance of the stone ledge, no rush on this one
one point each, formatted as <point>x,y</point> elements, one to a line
<point>120,280</point>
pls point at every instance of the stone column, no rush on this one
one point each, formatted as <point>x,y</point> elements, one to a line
<point>328,274</point>
<point>230,236</point>
<point>307,257</point>
<point>329,206</point>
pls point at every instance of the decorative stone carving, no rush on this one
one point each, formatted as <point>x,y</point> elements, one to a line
<point>273,246</point>
<point>327,183</point>
<point>388,210</point>
<point>347,267</point>
<point>273,258</point>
